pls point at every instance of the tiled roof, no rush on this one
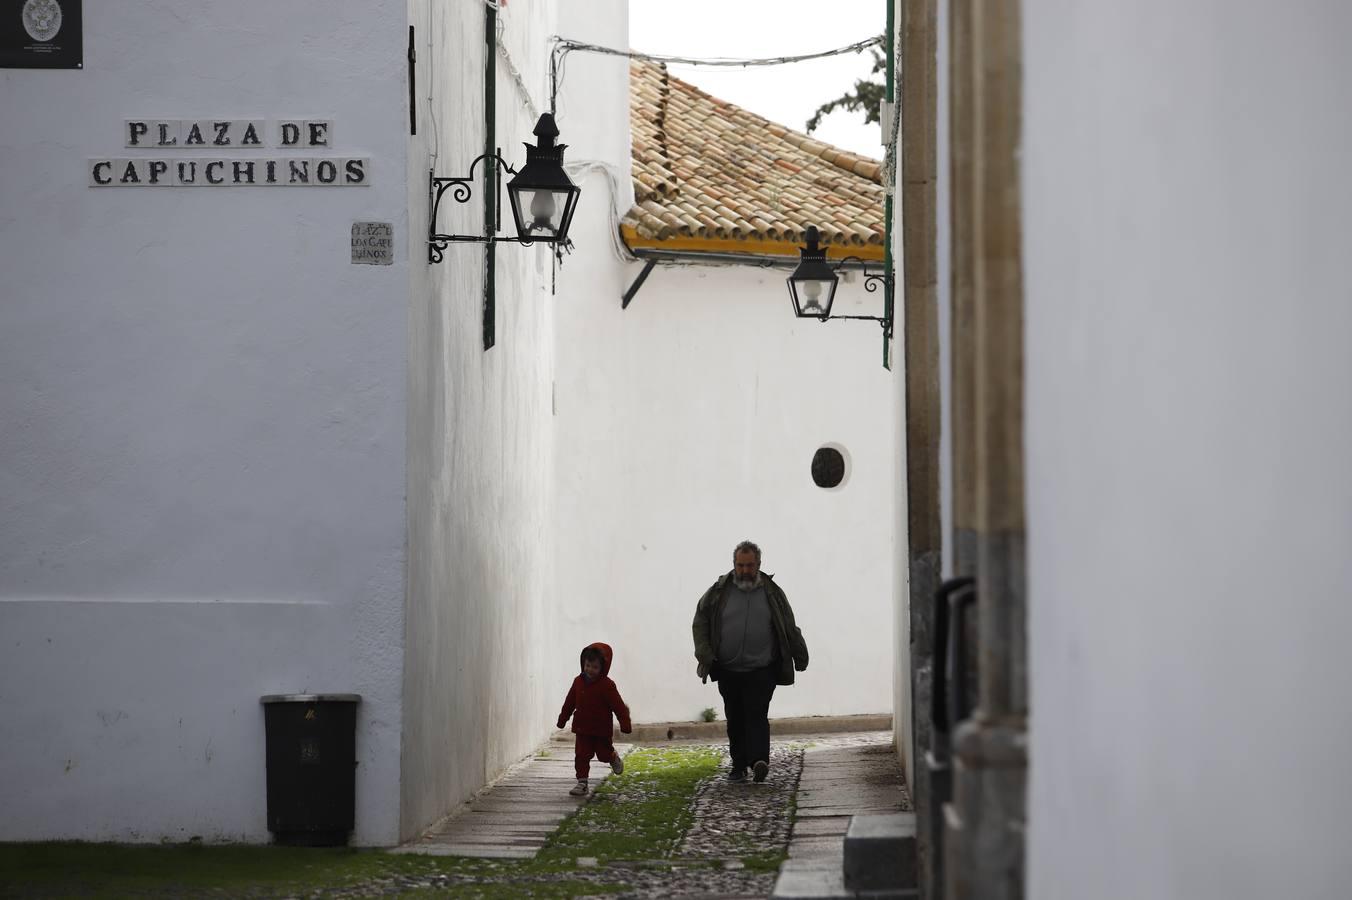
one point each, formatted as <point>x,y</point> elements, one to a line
<point>710,176</point>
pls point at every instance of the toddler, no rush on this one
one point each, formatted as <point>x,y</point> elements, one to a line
<point>591,701</point>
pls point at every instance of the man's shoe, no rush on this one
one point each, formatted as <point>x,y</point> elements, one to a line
<point>617,764</point>
<point>761,769</point>
<point>579,789</point>
<point>737,776</point>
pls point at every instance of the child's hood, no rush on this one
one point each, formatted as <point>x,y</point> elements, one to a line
<point>605,657</point>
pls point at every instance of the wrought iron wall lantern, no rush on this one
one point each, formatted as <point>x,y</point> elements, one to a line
<point>812,286</point>
<point>542,196</point>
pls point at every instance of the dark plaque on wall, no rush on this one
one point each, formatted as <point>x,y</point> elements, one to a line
<point>41,34</point>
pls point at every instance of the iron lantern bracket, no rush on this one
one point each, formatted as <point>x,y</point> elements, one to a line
<point>873,279</point>
<point>462,190</point>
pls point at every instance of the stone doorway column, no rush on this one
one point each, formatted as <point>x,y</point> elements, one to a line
<point>983,825</point>
<point>915,43</point>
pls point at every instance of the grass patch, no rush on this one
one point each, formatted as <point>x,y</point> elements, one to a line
<point>765,862</point>
<point>638,816</point>
<point>117,870</point>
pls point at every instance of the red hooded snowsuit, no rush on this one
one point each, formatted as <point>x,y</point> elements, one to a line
<point>591,706</point>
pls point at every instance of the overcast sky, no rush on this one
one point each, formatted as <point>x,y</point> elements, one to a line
<point>787,94</point>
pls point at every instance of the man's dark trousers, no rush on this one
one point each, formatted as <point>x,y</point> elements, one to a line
<point>746,706</point>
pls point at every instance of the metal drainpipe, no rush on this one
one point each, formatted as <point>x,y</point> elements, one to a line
<point>490,170</point>
<point>889,288</point>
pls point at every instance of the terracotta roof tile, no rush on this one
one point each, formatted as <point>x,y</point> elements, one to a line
<point>709,173</point>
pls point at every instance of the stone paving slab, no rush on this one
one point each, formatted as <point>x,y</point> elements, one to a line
<point>493,841</point>
<point>852,791</point>
<point>844,811</point>
<point>466,850</point>
<point>840,779</point>
<point>522,824</point>
<point>849,775</point>
<point>481,818</point>
<point>817,840</point>
<point>842,776</point>
<point>813,882</point>
<point>821,825</point>
<point>890,797</point>
<point>512,817</point>
<point>538,811</point>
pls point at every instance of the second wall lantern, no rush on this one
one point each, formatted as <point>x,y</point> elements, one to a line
<point>812,286</point>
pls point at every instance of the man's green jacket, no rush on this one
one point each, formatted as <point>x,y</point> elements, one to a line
<point>791,649</point>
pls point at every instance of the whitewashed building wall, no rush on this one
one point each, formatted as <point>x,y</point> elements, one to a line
<point>687,423</point>
<point>202,424</point>
<point>212,419</point>
<point>1186,188</point>
<point>481,597</point>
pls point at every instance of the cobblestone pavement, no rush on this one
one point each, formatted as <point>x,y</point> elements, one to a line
<point>732,819</point>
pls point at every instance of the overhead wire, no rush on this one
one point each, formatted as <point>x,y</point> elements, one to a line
<point>558,63</point>
<point>431,81</point>
<point>563,46</point>
<point>558,59</point>
<point>580,170</point>
<point>856,47</point>
<point>505,55</point>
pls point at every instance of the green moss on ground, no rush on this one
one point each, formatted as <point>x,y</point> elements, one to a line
<point>640,815</point>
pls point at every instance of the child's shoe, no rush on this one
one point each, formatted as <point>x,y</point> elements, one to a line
<point>617,764</point>
<point>579,789</point>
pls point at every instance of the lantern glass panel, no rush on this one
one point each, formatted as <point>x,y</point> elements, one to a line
<point>542,214</point>
<point>812,297</point>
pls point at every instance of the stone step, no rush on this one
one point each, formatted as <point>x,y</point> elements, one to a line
<point>877,796</point>
<point>880,853</point>
<point>809,878</point>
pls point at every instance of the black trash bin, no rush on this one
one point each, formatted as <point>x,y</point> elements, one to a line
<point>311,767</point>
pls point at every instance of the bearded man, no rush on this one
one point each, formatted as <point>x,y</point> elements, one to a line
<point>747,641</point>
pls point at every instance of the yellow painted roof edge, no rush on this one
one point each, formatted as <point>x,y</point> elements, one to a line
<point>745,246</point>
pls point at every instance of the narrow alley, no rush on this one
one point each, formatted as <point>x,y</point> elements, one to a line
<point>730,839</point>
<point>376,373</point>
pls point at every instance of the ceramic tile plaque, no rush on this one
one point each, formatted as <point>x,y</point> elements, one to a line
<point>372,243</point>
<point>41,34</point>
<point>227,151</point>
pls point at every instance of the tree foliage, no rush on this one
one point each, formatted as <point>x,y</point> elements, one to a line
<point>867,94</point>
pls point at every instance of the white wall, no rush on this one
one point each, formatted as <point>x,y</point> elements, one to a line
<point>593,116</point>
<point>1186,193</point>
<point>903,700</point>
<point>201,427</point>
<point>480,548</point>
<point>687,423</point>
